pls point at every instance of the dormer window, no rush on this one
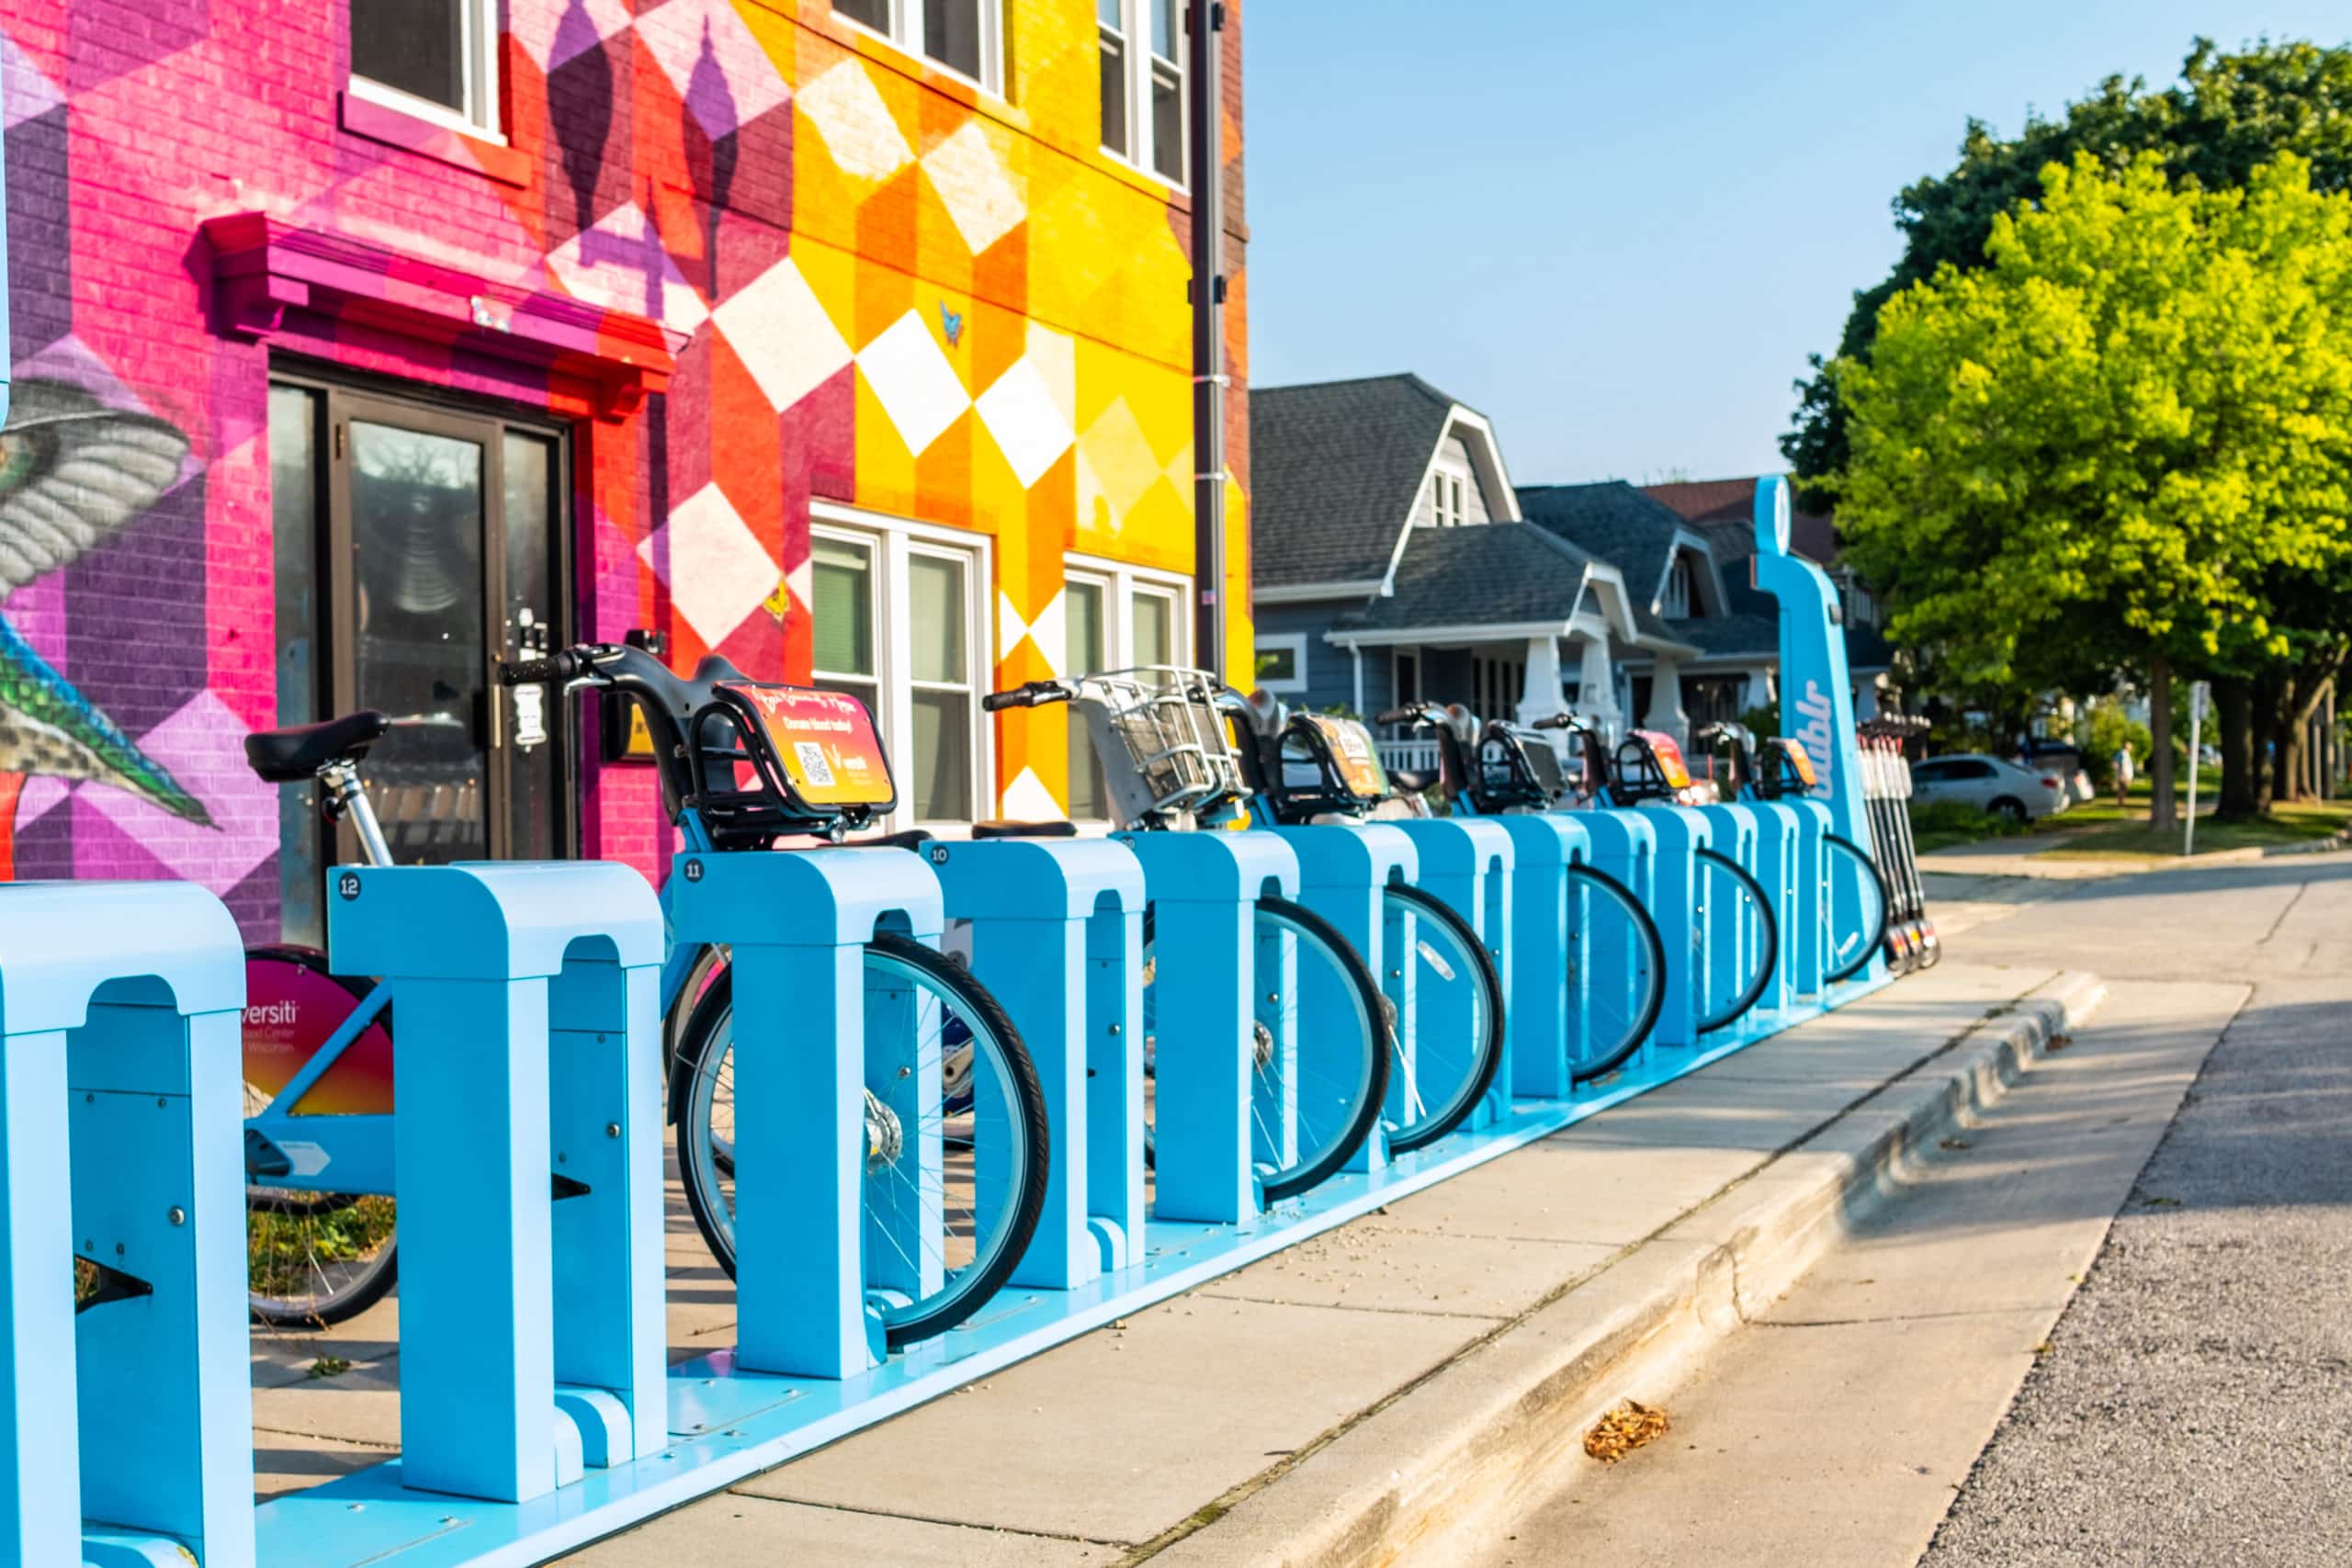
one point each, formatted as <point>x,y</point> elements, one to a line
<point>1449,502</point>
<point>1682,599</point>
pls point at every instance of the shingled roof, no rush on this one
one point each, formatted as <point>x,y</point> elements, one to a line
<point>1334,469</point>
<point>1504,574</point>
<point>1811,535</point>
<point>1611,520</point>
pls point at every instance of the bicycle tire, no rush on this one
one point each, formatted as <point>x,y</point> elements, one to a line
<point>1488,1056</point>
<point>710,1033</point>
<point>1644,1012</point>
<point>1313,1172</point>
<point>1867,947</point>
<point>1770,946</point>
<point>349,1286</point>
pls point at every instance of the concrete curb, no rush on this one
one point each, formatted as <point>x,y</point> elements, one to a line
<point>1491,1427</point>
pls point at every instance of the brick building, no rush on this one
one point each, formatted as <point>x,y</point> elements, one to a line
<point>356,344</point>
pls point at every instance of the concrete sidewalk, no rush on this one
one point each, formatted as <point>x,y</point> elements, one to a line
<point>1313,1405</point>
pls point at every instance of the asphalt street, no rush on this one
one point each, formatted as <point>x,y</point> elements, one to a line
<point>2195,1403</point>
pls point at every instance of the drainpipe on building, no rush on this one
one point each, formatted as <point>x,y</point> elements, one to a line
<point>1207,78</point>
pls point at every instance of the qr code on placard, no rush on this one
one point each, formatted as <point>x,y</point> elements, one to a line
<point>814,768</point>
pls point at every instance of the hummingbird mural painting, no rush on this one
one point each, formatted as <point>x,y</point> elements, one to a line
<point>72,474</point>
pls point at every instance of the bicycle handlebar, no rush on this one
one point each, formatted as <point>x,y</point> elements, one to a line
<point>538,671</point>
<point>1557,721</point>
<point>1027,695</point>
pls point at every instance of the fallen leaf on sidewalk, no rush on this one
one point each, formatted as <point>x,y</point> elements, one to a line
<point>2164,1202</point>
<point>1623,1429</point>
<point>1953,1143</point>
<point>2059,1041</point>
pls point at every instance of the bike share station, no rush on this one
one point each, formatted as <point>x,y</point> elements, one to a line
<point>536,1411</point>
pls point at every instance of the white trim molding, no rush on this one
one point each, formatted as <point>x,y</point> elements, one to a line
<point>1295,644</point>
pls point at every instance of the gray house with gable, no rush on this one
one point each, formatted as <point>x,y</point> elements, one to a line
<point>1393,560</point>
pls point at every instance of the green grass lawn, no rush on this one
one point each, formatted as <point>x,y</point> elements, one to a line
<point>2101,828</point>
<point>2289,824</point>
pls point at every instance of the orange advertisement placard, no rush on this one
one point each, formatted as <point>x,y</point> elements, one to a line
<point>826,743</point>
<point>1800,762</point>
<point>1669,758</point>
<point>1352,752</point>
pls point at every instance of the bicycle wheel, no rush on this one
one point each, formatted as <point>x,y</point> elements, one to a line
<point>939,1242</point>
<point>1858,906</point>
<point>313,1258</point>
<point>1450,996</point>
<point>1616,978</point>
<point>1732,921</point>
<point>1312,1106</point>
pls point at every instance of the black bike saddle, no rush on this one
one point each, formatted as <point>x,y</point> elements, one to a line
<point>298,752</point>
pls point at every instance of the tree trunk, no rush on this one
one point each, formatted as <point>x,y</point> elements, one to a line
<point>2161,814</point>
<point>2298,702</point>
<point>2265,737</point>
<point>2234,716</point>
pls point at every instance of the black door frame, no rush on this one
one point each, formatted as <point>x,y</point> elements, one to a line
<point>344,396</point>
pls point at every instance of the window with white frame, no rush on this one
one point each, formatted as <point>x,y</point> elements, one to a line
<point>1143,82</point>
<point>1449,504</point>
<point>897,625</point>
<point>1281,662</point>
<point>1682,588</point>
<point>964,36</point>
<point>434,59</point>
<point>1114,617</point>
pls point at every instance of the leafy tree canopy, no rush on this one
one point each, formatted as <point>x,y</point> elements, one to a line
<point>2110,443</point>
<point>2229,115</point>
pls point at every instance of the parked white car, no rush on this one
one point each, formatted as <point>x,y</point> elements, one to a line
<point>1991,784</point>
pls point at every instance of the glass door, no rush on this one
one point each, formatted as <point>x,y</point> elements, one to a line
<point>416,547</point>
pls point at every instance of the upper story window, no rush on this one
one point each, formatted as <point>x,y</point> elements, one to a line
<point>1448,498</point>
<point>1682,598</point>
<point>1143,84</point>
<point>964,36</point>
<point>434,59</point>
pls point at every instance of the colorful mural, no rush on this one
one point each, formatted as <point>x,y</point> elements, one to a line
<point>758,255</point>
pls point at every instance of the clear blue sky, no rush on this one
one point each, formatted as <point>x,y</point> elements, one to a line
<point>1618,229</point>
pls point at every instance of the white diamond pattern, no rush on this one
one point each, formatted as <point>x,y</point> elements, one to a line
<point>981,196</point>
<point>780,330</point>
<point>1027,421</point>
<point>855,123</point>
<point>715,568</point>
<point>916,388</point>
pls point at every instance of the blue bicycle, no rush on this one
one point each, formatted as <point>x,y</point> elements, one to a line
<point>319,1048</point>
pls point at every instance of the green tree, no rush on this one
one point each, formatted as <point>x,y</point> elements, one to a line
<point>2229,114</point>
<point>2099,455</point>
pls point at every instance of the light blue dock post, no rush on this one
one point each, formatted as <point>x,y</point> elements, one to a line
<point>1204,889</point>
<point>1778,846</point>
<point>1625,848</point>
<point>1058,939</point>
<point>1680,832</point>
<point>1733,939</point>
<point>1341,869</point>
<point>121,1078</point>
<point>1811,955</point>
<point>1548,986</point>
<point>1467,862</point>
<point>531,1340</point>
<point>799,924</point>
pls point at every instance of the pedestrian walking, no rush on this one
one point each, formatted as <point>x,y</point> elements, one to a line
<point>2122,774</point>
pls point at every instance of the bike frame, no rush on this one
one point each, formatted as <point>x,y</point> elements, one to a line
<point>352,1153</point>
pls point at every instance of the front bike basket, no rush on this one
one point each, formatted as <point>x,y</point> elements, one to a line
<point>1649,767</point>
<point>771,759</point>
<point>1517,770</point>
<point>1785,770</point>
<point>1162,742</point>
<point>1328,766</point>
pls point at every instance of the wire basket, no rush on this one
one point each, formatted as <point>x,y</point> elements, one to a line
<point>1162,741</point>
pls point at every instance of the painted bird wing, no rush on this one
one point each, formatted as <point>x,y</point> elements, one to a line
<point>72,474</point>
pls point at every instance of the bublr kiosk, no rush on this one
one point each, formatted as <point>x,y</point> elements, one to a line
<point>1816,696</point>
